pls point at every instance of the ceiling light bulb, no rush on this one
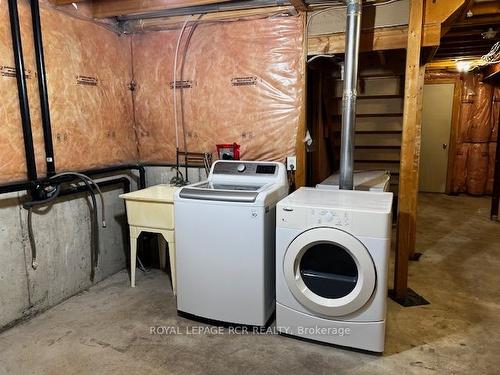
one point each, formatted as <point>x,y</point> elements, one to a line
<point>463,66</point>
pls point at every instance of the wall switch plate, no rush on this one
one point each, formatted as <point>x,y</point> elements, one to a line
<point>291,163</point>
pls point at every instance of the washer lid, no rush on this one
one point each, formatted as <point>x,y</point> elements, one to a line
<point>207,190</point>
<point>329,271</point>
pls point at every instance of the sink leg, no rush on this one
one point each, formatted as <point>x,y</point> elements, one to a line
<point>133,258</point>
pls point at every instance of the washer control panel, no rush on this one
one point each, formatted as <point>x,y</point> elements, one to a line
<point>245,168</point>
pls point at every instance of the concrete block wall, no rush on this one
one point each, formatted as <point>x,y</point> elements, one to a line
<point>63,242</point>
<point>63,238</point>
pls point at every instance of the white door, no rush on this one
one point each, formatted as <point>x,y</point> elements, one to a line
<point>437,108</point>
<point>329,271</point>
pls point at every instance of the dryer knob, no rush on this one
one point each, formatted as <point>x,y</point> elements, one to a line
<point>328,216</point>
<point>241,168</point>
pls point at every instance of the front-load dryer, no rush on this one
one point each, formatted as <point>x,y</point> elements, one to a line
<point>332,251</point>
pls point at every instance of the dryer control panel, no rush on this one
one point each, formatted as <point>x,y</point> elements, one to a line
<point>297,217</point>
<point>334,218</point>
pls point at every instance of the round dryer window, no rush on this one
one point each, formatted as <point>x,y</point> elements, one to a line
<point>329,271</point>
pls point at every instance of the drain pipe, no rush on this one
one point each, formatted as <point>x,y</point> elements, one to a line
<point>22,90</point>
<point>353,30</point>
<point>42,87</point>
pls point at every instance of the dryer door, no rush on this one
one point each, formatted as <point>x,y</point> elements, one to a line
<point>329,271</point>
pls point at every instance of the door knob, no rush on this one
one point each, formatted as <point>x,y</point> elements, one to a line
<point>445,146</point>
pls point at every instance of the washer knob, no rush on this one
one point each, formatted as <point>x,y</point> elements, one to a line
<point>241,168</point>
<point>328,216</point>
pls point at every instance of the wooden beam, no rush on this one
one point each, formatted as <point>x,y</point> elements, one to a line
<point>112,8</point>
<point>479,21</point>
<point>385,38</point>
<point>410,151</point>
<point>438,11</point>
<point>486,8</point>
<point>300,147</point>
<point>299,5</point>
<point>175,22</point>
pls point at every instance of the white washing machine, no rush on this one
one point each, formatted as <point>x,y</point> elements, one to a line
<point>225,242</point>
<point>332,251</point>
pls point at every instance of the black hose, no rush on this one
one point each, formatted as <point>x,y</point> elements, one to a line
<point>29,206</point>
<point>94,243</point>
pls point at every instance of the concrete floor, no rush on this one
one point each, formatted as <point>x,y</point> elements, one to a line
<point>107,329</point>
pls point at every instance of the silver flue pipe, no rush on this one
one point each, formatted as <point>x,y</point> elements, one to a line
<point>353,30</point>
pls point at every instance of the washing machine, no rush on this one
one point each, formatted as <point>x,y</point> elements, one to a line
<point>225,242</point>
<point>332,251</point>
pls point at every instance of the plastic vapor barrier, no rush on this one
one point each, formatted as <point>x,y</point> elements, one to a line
<point>480,122</point>
<point>460,168</point>
<point>229,88</point>
<point>477,129</point>
<point>495,114</point>
<point>88,73</point>
<point>492,148</point>
<point>477,168</point>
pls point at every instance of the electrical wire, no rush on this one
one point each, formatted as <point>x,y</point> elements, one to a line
<point>318,56</point>
<point>174,83</point>
<point>186,47</point>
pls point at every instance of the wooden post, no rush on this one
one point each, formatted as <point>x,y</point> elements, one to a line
<point>300,148</point>
<point>495,198</point>
<point>410,151</point>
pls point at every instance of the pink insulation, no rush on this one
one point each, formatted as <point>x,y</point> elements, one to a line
<point>480,121</point>
<point>477,168</point>
<point>492,148</point>
<point>92,125</point>
<point>460,168</point>
<point>237,88</point>
<point>495,114</point>
<point>469,85</point>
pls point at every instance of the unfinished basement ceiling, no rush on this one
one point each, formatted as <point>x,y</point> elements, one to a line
<point>126,9</point>
<point>472,32</point>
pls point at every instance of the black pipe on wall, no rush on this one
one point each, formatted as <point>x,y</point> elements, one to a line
<point>22,90</point>
<point>42,87</point>
<point>30,185</point>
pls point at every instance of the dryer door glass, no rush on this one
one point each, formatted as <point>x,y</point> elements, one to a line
<point>328,270</point>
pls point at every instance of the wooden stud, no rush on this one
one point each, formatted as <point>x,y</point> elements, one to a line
<point>438,11</point>
<point>455,123</point>
<point>410,151</point>
<point>299,5</point>
<point>300,147</point>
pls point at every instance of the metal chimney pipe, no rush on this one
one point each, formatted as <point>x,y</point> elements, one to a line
<point>353,30</point>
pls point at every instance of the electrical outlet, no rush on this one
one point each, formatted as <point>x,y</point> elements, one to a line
<point>291,163</point>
